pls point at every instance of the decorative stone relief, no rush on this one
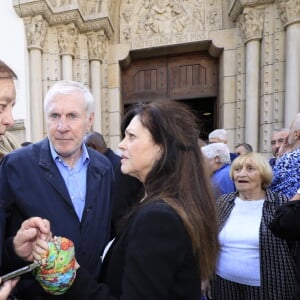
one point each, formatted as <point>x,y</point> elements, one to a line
<point>58,12</point>
<point>97,43</point>
<point>267,71</point>
<point>239,89</point>
<point>81,71</point>
<point>236,6</point>
<point>60,3</point>
<point>146,23</point>
<point>51,57</point>
<point>105,100</point>
<point>67,38</point>
<point>36,28</point>
<point>251,23</point>
<point>279,70</point>
<point>90,7</point>
<point>289,11</point>
<point>52,68</point>
<point>214,9</point>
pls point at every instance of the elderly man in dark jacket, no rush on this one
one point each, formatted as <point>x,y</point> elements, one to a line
<point>61,180</point>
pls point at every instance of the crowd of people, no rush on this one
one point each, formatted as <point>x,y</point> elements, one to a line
<point>168,217</point>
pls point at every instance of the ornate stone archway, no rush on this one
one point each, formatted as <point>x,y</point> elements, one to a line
<point>85,40</point>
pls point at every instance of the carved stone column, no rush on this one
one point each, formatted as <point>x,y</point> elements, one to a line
<point>67,39</point>
<point>251,24</point>
<point>290,16</point>
<point>96,47</point>
<point>36,28</point>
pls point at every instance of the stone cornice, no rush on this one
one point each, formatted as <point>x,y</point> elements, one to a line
<point>236,7</point>
<point>63,15</point>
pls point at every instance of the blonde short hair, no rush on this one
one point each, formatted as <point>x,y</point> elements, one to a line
<point>259,162</point>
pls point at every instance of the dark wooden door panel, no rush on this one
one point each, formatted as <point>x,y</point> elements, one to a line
<point>192,77</point>
<point>145,80</point>
<point>170,77</point>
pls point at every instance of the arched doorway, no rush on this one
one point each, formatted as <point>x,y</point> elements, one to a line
<point>191,78</point>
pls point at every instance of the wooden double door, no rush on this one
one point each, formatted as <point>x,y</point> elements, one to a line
<point>191,78</point>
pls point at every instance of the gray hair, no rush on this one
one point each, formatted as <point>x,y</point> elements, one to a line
<point>296,123</point>
<point>217,150</point>
<point>246,146</point>
<point>70,87</point>
<point>219,134</point>
<point>280,130</point>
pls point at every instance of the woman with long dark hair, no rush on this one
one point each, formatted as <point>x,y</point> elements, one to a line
<point>168,243</point>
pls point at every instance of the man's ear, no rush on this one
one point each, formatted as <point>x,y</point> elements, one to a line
<point>297,134</point>
<point>91,120</point>
<point>217,160</point>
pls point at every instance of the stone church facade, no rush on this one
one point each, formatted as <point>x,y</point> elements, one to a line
<point>245,57</point>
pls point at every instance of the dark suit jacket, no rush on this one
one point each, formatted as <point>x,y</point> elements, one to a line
<point>113,157</point>
<point>286,225</point>
<point>2,226</point>
<point>127,193</point>
<point>151,259</point>
<point>31,185</point>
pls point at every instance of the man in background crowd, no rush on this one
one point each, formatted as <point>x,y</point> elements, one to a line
<point>278,138</point>
<point>218,162</point>
<point>220,136</point>
<point>243,148</point>
<point>286,179</point>
<point>96,141</point>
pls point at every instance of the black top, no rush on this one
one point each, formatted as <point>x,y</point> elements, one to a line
<point>151,259</point>
<point>286,224</point>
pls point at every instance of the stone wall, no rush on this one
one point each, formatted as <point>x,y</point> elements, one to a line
<point>88,40</point>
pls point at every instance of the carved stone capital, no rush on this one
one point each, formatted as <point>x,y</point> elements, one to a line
<point>97,42</point>
<point>251,24</point>
<point>36,28</point>
<point>237,6</point>
<point>58,12</point>
<point>289,11</point>
<point>67,38</point>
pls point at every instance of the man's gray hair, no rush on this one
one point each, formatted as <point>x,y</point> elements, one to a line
<point>214,150</point>
<point>69,87</point>
<point>218,134</point>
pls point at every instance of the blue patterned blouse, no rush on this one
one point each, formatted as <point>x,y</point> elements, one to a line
<point>286,179</point>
